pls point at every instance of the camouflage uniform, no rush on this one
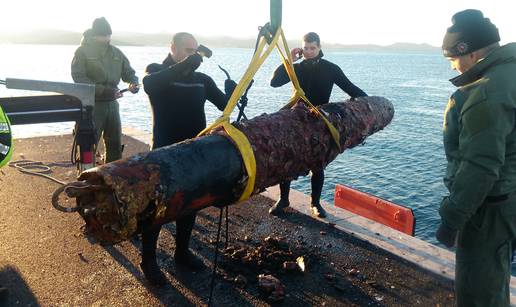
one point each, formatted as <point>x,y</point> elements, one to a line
<point>480,146</point>
<point>104,65</point>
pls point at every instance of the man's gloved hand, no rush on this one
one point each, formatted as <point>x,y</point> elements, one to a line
<point>446,235</point>
<point>192,62</point>
<point>229,87</point>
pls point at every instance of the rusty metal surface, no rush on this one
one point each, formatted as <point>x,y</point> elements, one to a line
<point>289,143</point>
<point>161,185</point>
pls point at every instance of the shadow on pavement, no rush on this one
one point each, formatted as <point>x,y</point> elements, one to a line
<point>166,295</point>
<point>18,292</point>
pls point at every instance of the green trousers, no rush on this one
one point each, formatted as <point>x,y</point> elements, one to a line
<point>108,125</point>
<point>483,258</point>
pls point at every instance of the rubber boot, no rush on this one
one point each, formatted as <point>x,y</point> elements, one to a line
<point>149,265</point>
<point>317,181</point>
<point>183,256</point>
<point>282,202</point>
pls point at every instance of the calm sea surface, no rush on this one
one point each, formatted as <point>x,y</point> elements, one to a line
<point>404,163</point>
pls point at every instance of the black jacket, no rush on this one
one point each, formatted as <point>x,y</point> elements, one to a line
<point>177,95</point>
<point>316,78</point>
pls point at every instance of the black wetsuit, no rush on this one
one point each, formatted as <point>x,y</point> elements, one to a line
<point>177,98</point>
<point>177,95</point>
<point>316,77</point>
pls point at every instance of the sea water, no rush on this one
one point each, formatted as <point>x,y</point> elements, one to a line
<point>404,163</point>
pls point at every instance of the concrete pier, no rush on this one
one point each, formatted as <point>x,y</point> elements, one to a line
<point>45,258</point>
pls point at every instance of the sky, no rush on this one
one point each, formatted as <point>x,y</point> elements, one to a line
<point>380,22</point>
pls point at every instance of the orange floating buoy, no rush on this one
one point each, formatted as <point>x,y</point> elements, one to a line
<point>376,209</point>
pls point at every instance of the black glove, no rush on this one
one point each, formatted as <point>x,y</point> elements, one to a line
<point>229,87</point>
<point>192,62</point>
<point>446,235</point>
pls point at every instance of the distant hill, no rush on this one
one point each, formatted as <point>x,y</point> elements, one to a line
<point>397,47</point>
<point>52,37</point>
<point>59,37</point>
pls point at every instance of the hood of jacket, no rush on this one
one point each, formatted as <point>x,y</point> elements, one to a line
<point>87,37</point>
<point>89,41</point>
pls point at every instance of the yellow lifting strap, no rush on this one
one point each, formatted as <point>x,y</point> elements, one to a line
<point>236,135</point>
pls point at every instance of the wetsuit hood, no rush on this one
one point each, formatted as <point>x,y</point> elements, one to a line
<point>168,61</point>
<point>314,60</point>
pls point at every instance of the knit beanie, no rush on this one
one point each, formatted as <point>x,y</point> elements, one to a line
<point>101,27</point>
<point>470,31</point>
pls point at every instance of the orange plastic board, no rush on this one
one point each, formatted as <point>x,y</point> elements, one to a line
<point>376,209</point>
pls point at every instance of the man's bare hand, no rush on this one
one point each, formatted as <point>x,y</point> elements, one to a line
<point>296,53</point>
<point>134,88</point>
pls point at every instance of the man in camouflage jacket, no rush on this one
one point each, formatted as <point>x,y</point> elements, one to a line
<point>479,215</point>
<point>98,62</point>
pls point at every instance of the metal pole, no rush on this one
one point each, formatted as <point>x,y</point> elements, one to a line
<point>275,8</point>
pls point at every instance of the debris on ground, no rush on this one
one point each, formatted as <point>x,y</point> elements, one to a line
<point>273,286</point>
<point>272,253</point>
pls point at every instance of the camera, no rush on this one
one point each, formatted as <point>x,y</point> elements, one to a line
<point>204,51</point>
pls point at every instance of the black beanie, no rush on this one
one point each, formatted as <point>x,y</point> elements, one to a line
<point>101,27</point>
<point>470,32</point>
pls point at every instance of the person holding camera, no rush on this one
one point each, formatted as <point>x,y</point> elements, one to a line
<point>316,77</point>
<point>177,95</point>
<point>98,62</point>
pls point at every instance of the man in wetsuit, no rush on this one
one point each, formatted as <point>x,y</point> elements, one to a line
<point>177,95</point>
<point>316,77</point>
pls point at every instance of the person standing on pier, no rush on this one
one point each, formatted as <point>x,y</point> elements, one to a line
<point>479,215</point>
<point>177,95</point>
<point>98,62</point>
<point>316,77</point>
